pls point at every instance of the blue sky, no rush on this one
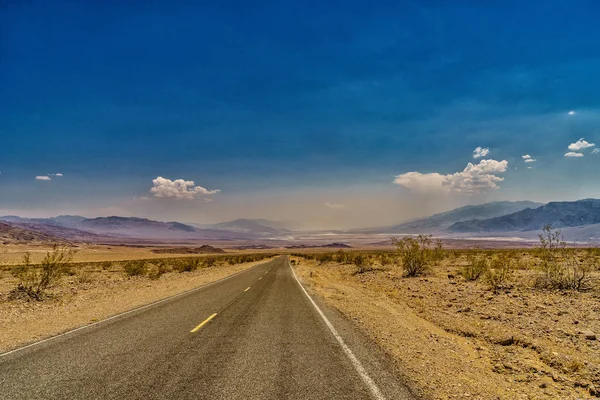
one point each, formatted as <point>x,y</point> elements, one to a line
<point>287,106</point>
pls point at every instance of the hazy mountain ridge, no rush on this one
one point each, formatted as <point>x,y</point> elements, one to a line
<point>81,228</point>
<point>565,214</point>
<point>11,233</point>
<point>441,221</point>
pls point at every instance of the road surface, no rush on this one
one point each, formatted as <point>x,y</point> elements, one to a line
<point>256,335</point>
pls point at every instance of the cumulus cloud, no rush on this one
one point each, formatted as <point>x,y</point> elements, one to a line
<point>527,158</point>
<point>596,151</point>
<point>580,145</point>
<point>473,179</point>
<point>43,178</point>
<point>481,152</point>
<point>178,189</point>
<point>335,206</point>
<point>57,174</point>
<point>573,154</point>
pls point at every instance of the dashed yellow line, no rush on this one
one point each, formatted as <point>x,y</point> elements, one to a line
<point>260,278</point>
<point>248,288</point>
<point>206,321</point>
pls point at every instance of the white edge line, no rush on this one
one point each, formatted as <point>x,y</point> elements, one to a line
<point>127,312</point>
<point>355,362</point>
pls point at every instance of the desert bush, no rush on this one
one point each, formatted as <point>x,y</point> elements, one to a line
<point>34,280</point>
<point>85,276</point>
<point>210,261</point>
<point>187,265</point>
<point>560,267</point>
<point>385,259</point>
<point>106,265</point>
<point>157,270</point>
<point>135,267</point>
<point>499,275</point>
<point>415,254</point>
<point>362,263</point>
<point>477,266</point>
<point>438,253</point>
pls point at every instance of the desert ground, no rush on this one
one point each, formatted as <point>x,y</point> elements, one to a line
<point>455,338</point>
<point>506,333</point>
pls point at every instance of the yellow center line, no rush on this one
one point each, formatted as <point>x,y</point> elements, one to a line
<point>248,288</point>
<point>206,321</point>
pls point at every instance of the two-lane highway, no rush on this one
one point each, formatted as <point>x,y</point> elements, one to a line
<point>256,335</point>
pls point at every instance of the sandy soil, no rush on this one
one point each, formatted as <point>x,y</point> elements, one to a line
<point>456,339</point>
<point>13,254</point>
<point>90,295</point>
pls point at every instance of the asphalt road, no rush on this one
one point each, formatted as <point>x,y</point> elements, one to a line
<point>268,340</point>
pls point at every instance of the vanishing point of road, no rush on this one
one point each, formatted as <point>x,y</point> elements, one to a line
<point>255,335</point>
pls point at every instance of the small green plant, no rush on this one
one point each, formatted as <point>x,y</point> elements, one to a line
<point>187,264</point>
<point>34,280</point>
<point>476,267</point>
<point>157,270</point>
<point>85,276</point>
<point>560,267</point>
<point>210,261</point>
<point>362,264</point>
<point>135,267</point>
<point>499,275</point>
<point>415,254</point>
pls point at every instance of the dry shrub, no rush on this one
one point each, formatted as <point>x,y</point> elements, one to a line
<point>476,267</point>
<point>415,254</point>
<point>135,267</point>
<point>560,267</point>
<point>34,280</point>
<point>499,275</point>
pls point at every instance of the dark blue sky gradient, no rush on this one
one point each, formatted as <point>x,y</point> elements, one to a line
<point>239,95</point>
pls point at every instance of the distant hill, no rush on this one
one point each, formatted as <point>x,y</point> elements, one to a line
<point>251,226</point>
<point>328,246</point>
<point>564,214</point>
<point>441,221</point>
<point>67,221</point>
<point>14,234</point>
<point>82,229</point>
<point>205,249</point>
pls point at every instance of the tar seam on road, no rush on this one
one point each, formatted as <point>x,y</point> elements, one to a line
<point>128,312</point>
<point>206,321</point>
<point>355,362</point>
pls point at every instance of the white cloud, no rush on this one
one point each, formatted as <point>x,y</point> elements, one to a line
<point>43,178</point>
<point>178,189</point>
<point>473,179</point>
<point>573,154</point>
<point>58,174</point>
<point>580,145</point>
<point>335,206</point>
<point>596,151</point>
<point>571,112</point>
<point>527,158</point>
<point>481,152</point>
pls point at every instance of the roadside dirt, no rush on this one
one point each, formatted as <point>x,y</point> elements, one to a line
<point>457,340</point>
<point>90,295</point>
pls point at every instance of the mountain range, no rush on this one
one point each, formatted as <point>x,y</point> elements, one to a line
<point>442,221</point>
<point>579,220</point>
<point>73,227</point>
<point>564,214</point>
